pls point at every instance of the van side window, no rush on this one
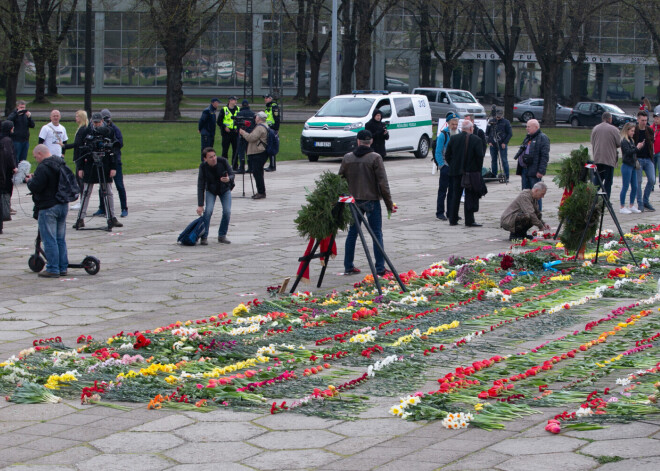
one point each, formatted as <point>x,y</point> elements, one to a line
<point>430,94</point>
<point>443,98</point>
<point>404,107</point>
<point>385,108</point>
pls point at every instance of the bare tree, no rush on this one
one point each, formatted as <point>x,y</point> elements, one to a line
<point>420,11</point>
<point>16,22</point>
<point>178,25</point>
<point>348,19</point>
<point>650,17</point>
<point>300,23</point>
<point>316,51</point>
<point>499,24</point>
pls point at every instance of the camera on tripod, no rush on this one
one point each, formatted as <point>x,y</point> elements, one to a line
<point>242,122</point>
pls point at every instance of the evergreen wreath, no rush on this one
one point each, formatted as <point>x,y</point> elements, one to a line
<point>573,213</point>
<point>572,169</point>
<point>322,216</point>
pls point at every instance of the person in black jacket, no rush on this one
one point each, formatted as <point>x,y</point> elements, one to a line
<point>50,213</point>
<point>464,154</point>
<point>215,178</point>
<point>499,134</point>
<point>229,130</point>
<point>378,130</point>
<point>245,117</point>
<point>22,120</point>
<point>7,168</point>
<point>206,124</point>
<point>78,142</point>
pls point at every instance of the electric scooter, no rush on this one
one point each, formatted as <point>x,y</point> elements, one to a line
<point>37,260</point>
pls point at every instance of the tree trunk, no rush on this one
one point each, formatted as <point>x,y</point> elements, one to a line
<point>52,76</point>
<point>39,76</point>
<point>509,88</point>
<point>577,80</point>
<point>12,68</point>
<point>549,92</point>
<point>447,73</point>
<point>174,92</point>
<point>424,47</point>
<point>363,59</point>
<point>347,47</point>
<point>315,67</point>
<point>301,50</point>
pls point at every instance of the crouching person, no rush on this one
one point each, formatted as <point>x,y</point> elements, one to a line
<point>524,213</point>
<point>215,178</point>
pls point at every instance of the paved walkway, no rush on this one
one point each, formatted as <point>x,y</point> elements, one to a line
<point>146,280</point>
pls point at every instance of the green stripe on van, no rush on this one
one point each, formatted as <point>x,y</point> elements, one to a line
<point>413,124</point>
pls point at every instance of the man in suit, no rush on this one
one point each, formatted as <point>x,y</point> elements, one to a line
<point>464,153</point>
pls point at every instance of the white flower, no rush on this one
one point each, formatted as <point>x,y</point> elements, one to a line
<point>584,412</point>
<point>623,381</point>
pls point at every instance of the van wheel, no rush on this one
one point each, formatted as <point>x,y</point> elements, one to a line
<point>423,147</point>
<point>313,157</point>
<point>575,123</point>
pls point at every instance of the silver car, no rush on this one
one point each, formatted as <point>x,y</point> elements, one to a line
<point>532,108</point>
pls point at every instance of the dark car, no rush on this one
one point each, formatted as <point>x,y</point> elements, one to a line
<point>615,91</point>
<point>396,85</point>
<point>590,114</point>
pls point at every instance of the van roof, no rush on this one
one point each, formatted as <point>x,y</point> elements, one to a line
<point>441,89</point>
<point>368,94</point>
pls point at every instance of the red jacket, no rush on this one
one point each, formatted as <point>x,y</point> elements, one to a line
<point>656,140</point>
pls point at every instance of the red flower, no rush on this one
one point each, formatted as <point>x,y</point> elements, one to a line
<point>506,262</point>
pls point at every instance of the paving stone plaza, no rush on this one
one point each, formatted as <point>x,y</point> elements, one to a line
<point>147,280</point>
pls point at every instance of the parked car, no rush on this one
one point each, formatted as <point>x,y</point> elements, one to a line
<point>444,100</point>
<point>590,114</point>
<point>615,91</point>
<point>396,85</point>
<point>332,131</point>
<point>532,108</point>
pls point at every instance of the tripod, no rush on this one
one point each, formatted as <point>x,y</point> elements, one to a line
<point>100,176</point>
<point>601,195</point>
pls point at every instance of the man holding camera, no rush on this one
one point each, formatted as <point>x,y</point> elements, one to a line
<point>273,121</point>
<point>244,120</point>
<point>119,176</point>
<point>215,178</point>
<point>533,157</point>
<point>229,130</point>
<point>499,134</point>
<point>256,152</point>
<point>100,140</point>
<point>22,120</point>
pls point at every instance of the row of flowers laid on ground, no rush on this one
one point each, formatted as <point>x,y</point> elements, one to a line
<point>302,351</point>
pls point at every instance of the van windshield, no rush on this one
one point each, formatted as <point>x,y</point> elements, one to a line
<point>462,97</point>
<point>350,107</point>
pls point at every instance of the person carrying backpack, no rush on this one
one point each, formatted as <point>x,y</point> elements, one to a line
<point>451,128</point>
<point>257,154</point>
<point>48,211</point>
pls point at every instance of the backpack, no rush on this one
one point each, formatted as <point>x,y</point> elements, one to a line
<point>273,142</point>
<point>192,232</point>
<point>67,187</point>
<point>435,143</point>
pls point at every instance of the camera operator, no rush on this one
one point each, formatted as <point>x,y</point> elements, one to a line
<point>499,134</point>
<point>256,152</point>
<point>100,140</point>
<point>22,119</point>
<point>244,120</point>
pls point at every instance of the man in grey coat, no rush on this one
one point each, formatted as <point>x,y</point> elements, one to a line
<point>524,212</point>
<point>534,158</point>
<point>605,140</point>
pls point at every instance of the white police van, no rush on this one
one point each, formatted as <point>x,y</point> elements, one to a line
<point>332,131</point>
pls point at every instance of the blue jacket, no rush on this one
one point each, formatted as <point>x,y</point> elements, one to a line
<point>441,145</point>
<point>206,124</point>
<point>503,131</point>
<point>120,140</point>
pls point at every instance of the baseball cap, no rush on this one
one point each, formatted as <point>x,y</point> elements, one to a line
<point>245,103</point>
<point>97,117</point>
<point>268,95</point>
<point>105,114</point>
<point>213,100</point>
<point>232,98</point>
<point>364,135</point>
<point>451,115</point>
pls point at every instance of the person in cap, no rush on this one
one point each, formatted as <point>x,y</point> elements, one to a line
<point>365,173</point>
<point>273,121</point>
<point>378,131</point>
<point>228,129</point>
<point>245,119</point>
<point>256,152</point>
<point>499,134</point>
<point>449,129</point>
<point>206,124</point>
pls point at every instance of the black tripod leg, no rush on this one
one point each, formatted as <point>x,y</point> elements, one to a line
<point>618,226</point>
<point>306,261</point>
<point>558,230</point>
<point>326,256</point>
<point>85,199</point>
<point>357,217</point>
<point>600,230</point>
<point>104,195</point>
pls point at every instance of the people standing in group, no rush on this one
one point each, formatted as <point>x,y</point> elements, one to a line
<point>524,213</point>
<point>378,131</point>
<point>645,106</point>
<point>78,142</point>
<point>656,141</point>
<point>246,120</point>
<point>464,154</point>
<point>206,125</point>
<point>533,160</point>
<point>273,121</point>
<point>444,134</point>
<point>53,135</point>
<point>48,211</point>
<point>215,178</point>
<point>499,134</point>
<point>22,120</point>
<point>229,130</point>
<point>629,164</point>
<point>477,131</point>
<point>119,176</point>
<point>256,152</point>
<point>365,173</point>
<point>605,142</point>
<point>7,170</point>
<point>644,134</point>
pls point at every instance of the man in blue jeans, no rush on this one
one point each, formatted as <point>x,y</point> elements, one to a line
<point>215,178</point>
<point>367,182</point>
<point>644,133</point>
<point>49,212</point>
<point>499,134</point>
<point>450,129</point>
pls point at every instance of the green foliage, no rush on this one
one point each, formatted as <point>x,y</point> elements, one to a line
<point>573,214</point>
<point>572,168</point>
<point>320,217</point>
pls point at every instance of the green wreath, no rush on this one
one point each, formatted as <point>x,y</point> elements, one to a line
<point>321,216</point>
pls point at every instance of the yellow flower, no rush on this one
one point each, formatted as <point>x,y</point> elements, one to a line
<point>479,406</point>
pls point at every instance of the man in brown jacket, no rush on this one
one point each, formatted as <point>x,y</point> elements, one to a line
<point>523,213</point>
<point>605,140</point>
<point>367,181</point>
<point>256,152</point>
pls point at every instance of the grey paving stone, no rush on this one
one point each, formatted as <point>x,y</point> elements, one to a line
<point>30,467</point>
<point>51,444</point>
<point>225,466</point>
<point>212,452</point>
<point>614,431</point>
<point>119,423</point>
<point>18,454</point>
<point>76,419</point>
<point>292,440</point>
<point>69,456</point>
<point>370,427</point>
<point>47,429</point>
<point>290,459</point>
<point>484,459</point>
<point>379,454</point>
<point>222,415</point>
<point>436,429</point>
<point>165,424</point>
<point>347,464</point>
<point>219,432</point>
<point>128,462</point>
<point>635,464</point>
<point>93,432</point>
<point>349,446</point>
<point>532,446</point>
<point>549,462</point>
<point>35,412</point>
<point>411,443</point>
<point>137,442</point>
<point>625,448</point>
<point>295,422</point>
<point>398,465</point>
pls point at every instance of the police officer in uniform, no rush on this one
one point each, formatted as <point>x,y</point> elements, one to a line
<point>273,121</point>
<point>228,130</point>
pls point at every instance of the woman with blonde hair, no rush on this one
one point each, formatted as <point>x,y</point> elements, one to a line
<point>79,140</point>
<point>629,165</point>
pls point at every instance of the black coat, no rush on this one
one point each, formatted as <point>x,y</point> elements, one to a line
<point>628,152</point>
<point>22,125</point>
<point>78,142</point>
<point>462,159</point>
<point>7,164</point>
<point>44,184</point>
<point>208,179</point>
<point>378,131</point>
<point>86,158</point>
